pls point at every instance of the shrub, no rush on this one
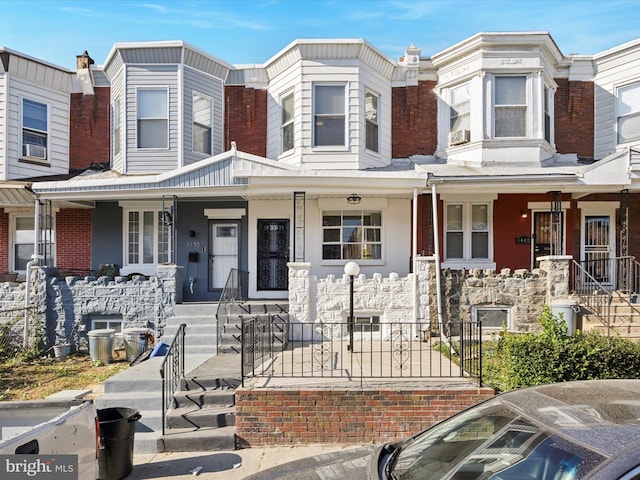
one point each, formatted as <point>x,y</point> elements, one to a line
<point>552,355</point>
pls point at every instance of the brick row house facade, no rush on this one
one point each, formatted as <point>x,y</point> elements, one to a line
<point>486,157</point>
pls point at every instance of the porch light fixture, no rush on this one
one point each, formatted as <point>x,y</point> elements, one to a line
<point>524,214</point>
<point>352,269</point>
<point>353,199</point>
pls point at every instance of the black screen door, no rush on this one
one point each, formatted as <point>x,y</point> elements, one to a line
<point>273,254</point>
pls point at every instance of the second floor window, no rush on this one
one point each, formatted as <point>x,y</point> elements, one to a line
<point>116,127</point>
<point>287,122</point>
<point>371,119</point>
<point>352,235</point>
<point>467,231</point>
<point>202,124</point>
<point>329,115</point>
<point>510,106</point>
<point>34,130</point>
<point>153,119</point>
<point>629,113</point>
<point>547,114</point>
<point>460,108</point>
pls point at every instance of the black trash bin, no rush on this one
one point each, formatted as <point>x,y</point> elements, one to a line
<point>117,429</point>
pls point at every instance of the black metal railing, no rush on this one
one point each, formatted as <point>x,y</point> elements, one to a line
<point>381,350</point>
<point>235,290</point>
<point>591,294</point>
<point>172,372</point>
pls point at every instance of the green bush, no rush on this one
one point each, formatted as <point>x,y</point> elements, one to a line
<point>552,355</point>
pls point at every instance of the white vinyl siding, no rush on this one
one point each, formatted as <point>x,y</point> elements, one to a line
<point>117,95</point>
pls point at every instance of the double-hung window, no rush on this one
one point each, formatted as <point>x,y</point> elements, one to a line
<point>35,129</point>
<point>352,235</point>
<point>510,100</point>
<point>286,127</point>
<point>467,231</point>
<point>147,238</point>
<point>547,113</point>
<point>329,115</point>
<point>202,124</point>
<point>23,238</point>
<point>629,113</point>
<point>153,118</point>
<point>371,119</point>
<point>459,112</point>
<point>117,128</point>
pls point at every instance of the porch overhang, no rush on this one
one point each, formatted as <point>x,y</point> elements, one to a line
<point>16,194</point>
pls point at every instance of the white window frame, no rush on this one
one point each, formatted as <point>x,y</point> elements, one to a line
<point>116,119</point>
<point>203,126</point>
<point>287,124</point>
<point>36,132</point>
<point>13,216</point>
<point>526,105</point>
<point>476,309</point>
<point>318,116</point>
<point>622,113</point>
<point>372,121</point>
<point>453,109</point>
<point>547,114</point>
<point>144,268</point>
<point>363,258</point>
<point>467,235</point>
<point>152,118</point>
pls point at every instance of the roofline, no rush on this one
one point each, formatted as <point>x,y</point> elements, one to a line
<point>34,59</point>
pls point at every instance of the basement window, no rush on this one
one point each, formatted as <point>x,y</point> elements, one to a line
<point>494,318</point>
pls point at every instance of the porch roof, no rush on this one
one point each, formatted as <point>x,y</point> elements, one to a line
<point>16,194</point>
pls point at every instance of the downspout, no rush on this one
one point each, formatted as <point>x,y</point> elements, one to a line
<point>436,247</point>
<point>414,254</point>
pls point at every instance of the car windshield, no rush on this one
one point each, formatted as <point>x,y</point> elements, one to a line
<point>492,438</point>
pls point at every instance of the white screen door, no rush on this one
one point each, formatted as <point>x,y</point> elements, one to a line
<point>597,248</point>
<point>223,252</point>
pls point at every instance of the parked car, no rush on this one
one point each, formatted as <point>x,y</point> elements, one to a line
<point>563,431</point>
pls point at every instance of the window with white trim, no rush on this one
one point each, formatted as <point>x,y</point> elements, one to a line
<point>329,115</point>
<point>202,123</point>
<point>352,235</point>
<point>23,237</point>
<point>115,121</point>
<point>153,118</point>
<point>547,113</point>
<point>628,112</point>
<point>286,127</point>
<point>510,106</point>
<point>371,118</point>
<point>147,239</point>
<point>460,108</point>
<point>35,129</point>
<point>467,232</point>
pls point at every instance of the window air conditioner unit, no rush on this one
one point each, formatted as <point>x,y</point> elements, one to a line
<point>458,137</point>
<point>34,151</point>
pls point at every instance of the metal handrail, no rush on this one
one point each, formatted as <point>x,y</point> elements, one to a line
<point>172,371</point>
<point>591,293</point>
<point>235,290</point>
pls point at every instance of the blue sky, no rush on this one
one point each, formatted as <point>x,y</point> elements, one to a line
<point>252,31</point>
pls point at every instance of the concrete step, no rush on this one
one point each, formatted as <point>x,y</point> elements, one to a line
<point>196,418</point>
<point>140,400</point>
<point>205,398</point>
<point>201,440</point>
<point>195,310</point>
<point>146,442</point>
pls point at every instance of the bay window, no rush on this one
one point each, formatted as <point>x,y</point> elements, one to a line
<point>287,122</point>
<point>628,113</point>
<point>329,115</point>
<point>352,235</point>
<point>153,118</point>
<point>459,112</point>
<point>115,121</point>
<point>510,106</point>
<point>371,119</point>
<point>202,124</point>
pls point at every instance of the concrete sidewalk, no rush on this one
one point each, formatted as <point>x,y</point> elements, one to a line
<point>230,465</point>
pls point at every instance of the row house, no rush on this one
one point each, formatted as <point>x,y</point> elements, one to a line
<point>488,156</point>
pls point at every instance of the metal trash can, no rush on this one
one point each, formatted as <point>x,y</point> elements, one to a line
<point>136,342</point>
<point>101,344</point>
<point>117,431</point>
<point>567,310</point>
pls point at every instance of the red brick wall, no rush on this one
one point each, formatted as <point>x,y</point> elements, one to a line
<point>574,117</point>
<point>246,119</point>
<point>414,128</point>
<point>270,416</point>
<point>4,242</point>
<point>73,239</point>
<point>89,128</point>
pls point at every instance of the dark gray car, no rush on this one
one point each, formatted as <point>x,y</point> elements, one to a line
<point>563,431</point>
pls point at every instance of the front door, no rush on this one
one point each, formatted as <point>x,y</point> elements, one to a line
<point>223,255</point>
<point>597,248</point>
<point>273,254</point>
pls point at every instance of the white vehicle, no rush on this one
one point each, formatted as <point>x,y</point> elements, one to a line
<point>52,427</point>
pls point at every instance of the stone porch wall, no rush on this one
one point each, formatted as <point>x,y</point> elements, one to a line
<point>394,298</point>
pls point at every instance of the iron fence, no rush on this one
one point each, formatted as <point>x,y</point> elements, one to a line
<point>364,351</point>
<point>21,332</point>
<point>172,372</point>
<point>235,290</point>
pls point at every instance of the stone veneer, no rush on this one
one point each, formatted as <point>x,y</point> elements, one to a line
<point>395,298</point>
